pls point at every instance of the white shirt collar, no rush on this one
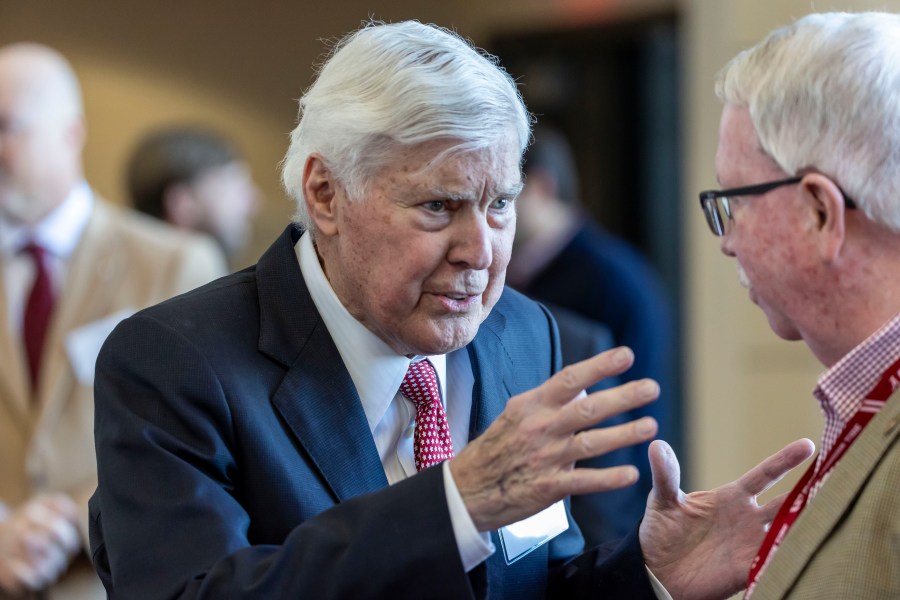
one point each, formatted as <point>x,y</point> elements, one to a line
<point>375,368</point>
<point>58,232</point>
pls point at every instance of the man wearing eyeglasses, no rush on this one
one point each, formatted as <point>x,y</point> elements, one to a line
<point>809,144</point>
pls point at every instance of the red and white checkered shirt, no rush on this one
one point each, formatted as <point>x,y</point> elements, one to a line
<point>842,389</point>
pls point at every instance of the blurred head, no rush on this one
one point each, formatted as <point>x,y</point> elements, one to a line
<point>551,182</point>
<point>195,179</point>
<point>405,165</point>
<point>819,99</point>
<point>42,131</point>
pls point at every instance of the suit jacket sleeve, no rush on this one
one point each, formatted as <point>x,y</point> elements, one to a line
<point>167,520</point>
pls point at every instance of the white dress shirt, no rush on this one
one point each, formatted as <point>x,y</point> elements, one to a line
<point>58,233</point>
<point>377,372</point>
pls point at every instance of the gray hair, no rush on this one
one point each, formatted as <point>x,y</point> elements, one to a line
<point>387,86</point>
<point>824,93</point>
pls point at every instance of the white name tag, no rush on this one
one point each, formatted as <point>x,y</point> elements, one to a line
<point>519,539</point>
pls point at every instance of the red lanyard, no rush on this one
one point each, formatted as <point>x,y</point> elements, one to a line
<point>812,479</point>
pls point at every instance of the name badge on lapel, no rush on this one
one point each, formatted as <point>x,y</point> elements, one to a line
<point>520,539</point>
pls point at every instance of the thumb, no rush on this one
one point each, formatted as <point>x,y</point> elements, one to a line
<point>666,473</point>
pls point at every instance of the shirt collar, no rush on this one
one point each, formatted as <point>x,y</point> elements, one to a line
<point>842,388</point>
<point>375,368</point>
<point>58,232</point>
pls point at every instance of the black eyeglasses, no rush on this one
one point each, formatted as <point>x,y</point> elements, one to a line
<point>717,208</point>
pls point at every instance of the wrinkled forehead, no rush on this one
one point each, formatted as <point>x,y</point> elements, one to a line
<point>497,166</point>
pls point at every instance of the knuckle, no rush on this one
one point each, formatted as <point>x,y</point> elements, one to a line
<point>585,444</point>
<point>569,379</point>
<point>587,409</point>
<point>544,487</point>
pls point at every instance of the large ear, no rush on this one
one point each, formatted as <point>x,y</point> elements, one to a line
<point>320,190</point>
<point>180,206</point>
<point>826,203</point>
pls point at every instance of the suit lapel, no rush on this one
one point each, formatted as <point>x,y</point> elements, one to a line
<point>492,368</point>
<point>99,267</point>
<point>15,394</point>
<point>836,497</point>
<point>317,398</point>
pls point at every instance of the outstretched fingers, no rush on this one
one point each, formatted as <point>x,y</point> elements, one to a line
<point>771,470</point>
<point>594,442</point>
<point>590,481</point>
<point>572,380</point>
<point>587,410</point>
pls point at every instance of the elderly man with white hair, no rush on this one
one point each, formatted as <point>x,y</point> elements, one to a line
<point>71,265</point>
<point>809,147</point>
<point>368,412</point>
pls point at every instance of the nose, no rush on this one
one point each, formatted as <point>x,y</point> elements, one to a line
<point>725,244</point>
<point>472,245</point>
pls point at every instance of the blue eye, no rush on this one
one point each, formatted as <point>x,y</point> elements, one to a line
<point>501,203</point>
<point>435,206</point>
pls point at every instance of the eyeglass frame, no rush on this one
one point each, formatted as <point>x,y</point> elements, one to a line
<point>708,200</point>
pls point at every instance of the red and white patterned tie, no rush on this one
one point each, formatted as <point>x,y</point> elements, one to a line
<point>431,442</point>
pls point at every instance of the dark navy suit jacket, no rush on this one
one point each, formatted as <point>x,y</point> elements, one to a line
<point>235,460</point>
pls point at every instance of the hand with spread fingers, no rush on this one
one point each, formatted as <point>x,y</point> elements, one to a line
<point>37,541</point>
<point>525,461</point>
<point>700,545</point>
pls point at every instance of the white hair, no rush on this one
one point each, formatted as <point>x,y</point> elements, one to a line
<point>387,86</point>
<point>824,93</point>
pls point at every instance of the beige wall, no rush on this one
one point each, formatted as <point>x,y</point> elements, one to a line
<point>239,66</point>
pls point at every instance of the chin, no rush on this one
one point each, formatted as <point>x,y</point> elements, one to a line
<point>785,331</point>
<point>442,342</point>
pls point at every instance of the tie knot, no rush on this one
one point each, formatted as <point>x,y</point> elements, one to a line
<point>420,384</point>
<point>34,250</point>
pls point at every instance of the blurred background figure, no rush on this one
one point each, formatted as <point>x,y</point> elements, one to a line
<point>195,179</point>
<point>566,260</point>
<point>71,266</point>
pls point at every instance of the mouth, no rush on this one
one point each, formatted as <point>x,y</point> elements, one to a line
<point>458,302</point>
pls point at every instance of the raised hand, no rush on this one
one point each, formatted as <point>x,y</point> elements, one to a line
<point>700,545</point>
<point>37,541</point>
<point>525,460</point>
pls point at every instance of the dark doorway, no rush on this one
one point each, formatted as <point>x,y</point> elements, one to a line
<point>613,89</point>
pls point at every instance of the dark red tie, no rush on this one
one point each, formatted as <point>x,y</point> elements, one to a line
<point>431,442</point>
<point>37,311</point>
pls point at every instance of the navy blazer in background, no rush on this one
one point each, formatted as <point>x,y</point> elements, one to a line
<point>235,459</point>
<point>604,516</point>
<point>603,278</point>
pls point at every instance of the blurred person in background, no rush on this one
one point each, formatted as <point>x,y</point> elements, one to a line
<point>563,258</point>
<point>809,154</point>
<point>194,179</point>
<point>71,266</point>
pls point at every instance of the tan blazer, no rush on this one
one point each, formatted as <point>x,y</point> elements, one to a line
<point>846,543</point>
<point>123,262</point>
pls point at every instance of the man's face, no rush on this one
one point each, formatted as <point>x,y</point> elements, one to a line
<point>227,199</point>
<point>767,237</point>
<point>39,147</point>
<point>421,260</point>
